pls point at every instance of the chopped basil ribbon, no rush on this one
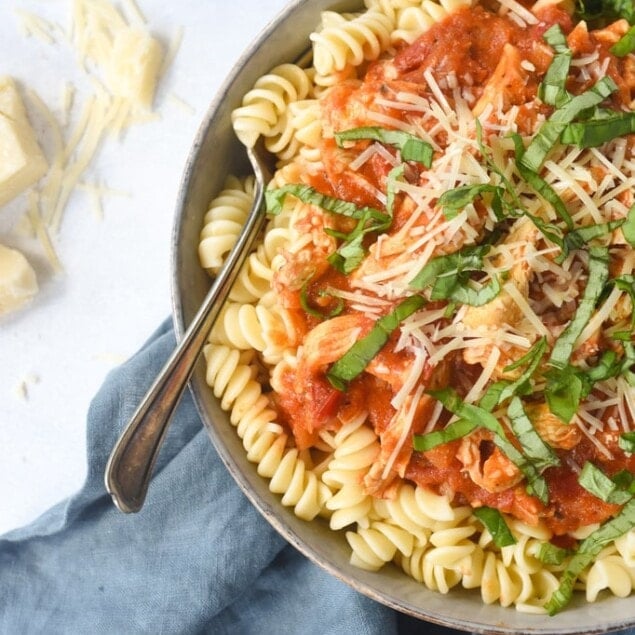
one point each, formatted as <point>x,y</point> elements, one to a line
<point>589,548</point>
<point>495,523</point>
<point>274,199</point>
<point>411,148</point>
<point>553,88</point>
<point>600,485</point>
<point>595,132</point>
<point>564,391</point>
<point>515,206</point>
<point>627,442</point>
<point>304,303</point>
<point>480,417</point>
<point>579,237</point>
<point>625,480</point>
<point>550,131</point>
<point>628,228</point>
<point>350,254</point>
<point>355,360</point>
<point>602,12</point>
<point>454,200</point>
<point>551,555</point>
<point>449,277</point>
<point>625,45</point>
<point>540,185</point>
<point>598,276</point>
<point>503,389</point>
<point>453,431</point>
<point>567,387</point>
<point>534,448</point>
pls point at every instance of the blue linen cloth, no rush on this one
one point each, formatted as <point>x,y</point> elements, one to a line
<point>198,558</point>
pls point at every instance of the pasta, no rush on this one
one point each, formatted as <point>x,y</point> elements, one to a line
<point>431,347</point>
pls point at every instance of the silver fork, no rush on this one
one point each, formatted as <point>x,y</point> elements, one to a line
<point>129,468</point>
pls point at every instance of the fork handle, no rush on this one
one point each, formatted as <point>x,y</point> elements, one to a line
<point>129,468</point>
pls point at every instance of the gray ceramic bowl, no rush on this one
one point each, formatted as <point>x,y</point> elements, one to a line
<point>215,154</point>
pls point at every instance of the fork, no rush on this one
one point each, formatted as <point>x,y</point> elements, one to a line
<point>131,462</point>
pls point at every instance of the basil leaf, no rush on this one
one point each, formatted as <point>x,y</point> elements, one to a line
<point>589,548</point>
<point>579,237</point>
<point>551,555</point>
<point>564,391</point>
<point>625,45</point>
<point>600,485</point>
<point>355,360</point>
<point>495,523</point>
<point>274,199</point>
<point>553,90</point>
<point>532,445</point>
<point>550,131</point>
<point>449,277</point>
<point>504,389</point>
<point>625,480</point>
<point>598,276</point>
<point>602,12</point>
<point>453,431</point>
<point>411,147</point>
<point>536,485</point>
<point>451,266</point>
<point>349,255</point>
<point>539,184</point>
<point>627,442</point>
<point>595,132</point>
<point>304,303</point>
<point>628,228</point>
<point>454,200</point>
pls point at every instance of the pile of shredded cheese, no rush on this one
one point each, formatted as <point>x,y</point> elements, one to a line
<point>123,64</point>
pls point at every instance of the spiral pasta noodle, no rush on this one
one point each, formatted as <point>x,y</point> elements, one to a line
<point>264,107</point>
<point>344,43</point>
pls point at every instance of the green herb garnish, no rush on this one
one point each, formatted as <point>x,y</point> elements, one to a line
<point>598,276</point>
<point>495,523</point>
<point>625,45</point>
<point>553,90</point>
<point>449,277</point>
<point>355,360</point>
<point>411,148</point>
<point>589,548</point>
<point>304,303</point>
<point>550,131</point>
<point>600,485</point>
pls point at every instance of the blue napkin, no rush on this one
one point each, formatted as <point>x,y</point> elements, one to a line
<point>198,558</point>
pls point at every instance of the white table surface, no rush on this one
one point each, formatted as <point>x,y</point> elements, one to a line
<point>115,288</point>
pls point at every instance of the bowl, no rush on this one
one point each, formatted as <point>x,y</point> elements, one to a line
<point>215,154</point>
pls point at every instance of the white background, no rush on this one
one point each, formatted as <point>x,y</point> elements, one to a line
<point>115,288</point>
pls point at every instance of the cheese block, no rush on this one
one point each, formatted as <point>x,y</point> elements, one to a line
<point>18,283</point>
<point>22,162</point>
<point>134,66</point>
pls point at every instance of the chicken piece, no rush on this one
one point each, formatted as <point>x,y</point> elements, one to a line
<point>503,309</point>
<point>507,84</point>
<point>330,339</point>
<point>551,429</point>
<point>486,464</point>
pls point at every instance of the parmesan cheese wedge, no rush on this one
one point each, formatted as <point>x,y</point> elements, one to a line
<point>18,283</point>
<point>134,66</point>
<point>22,162</point>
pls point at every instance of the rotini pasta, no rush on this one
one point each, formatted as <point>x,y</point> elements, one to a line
<point>430,348</point>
